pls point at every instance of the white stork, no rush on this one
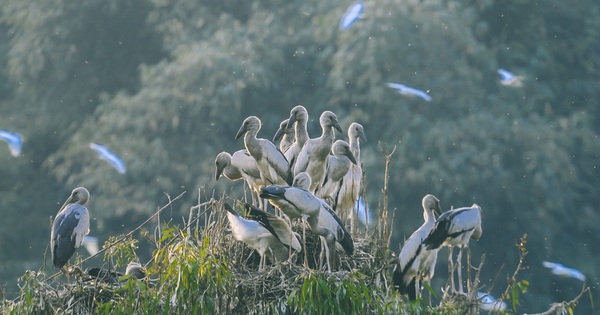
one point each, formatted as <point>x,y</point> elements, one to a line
<point>338,166</point>
<point>286,134</point>
<point>313,157</point>
<point>70,225</point>
<point>264,232</point>
<point>455,228</point>
<point>298,120</point>
<point>350,188</point>
<point>240,165</point>
<point>273,166</point>
<point>414,259</point>
<point>297,202</point>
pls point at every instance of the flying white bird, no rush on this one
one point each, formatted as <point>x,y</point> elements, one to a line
<point>507,78</point>
<point>352,15</point>
<point>563,271</point>
<point>91,244</point>
<point>106,154</point>
<point>14,140</point>
<point>410,91</point>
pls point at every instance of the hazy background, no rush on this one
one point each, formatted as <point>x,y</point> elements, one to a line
<point>166,85</point>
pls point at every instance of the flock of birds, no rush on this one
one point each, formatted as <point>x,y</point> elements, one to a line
<point>318,181</point>
<point>315,180</point>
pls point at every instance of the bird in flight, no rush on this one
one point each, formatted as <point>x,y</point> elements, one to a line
<point>410,91</point>
<point>352,15</point>
<point>106,154</point>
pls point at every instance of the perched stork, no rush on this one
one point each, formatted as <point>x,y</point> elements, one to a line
<point>70,225</point>
<point>297,202</point>
<point>273,166</point>
<point>298,120</point>
<point>414,259</point>
<point>286,134</point>
<point>338,166</point>
<point>240,165</point>
<point>455,228</point>
<point>347,196</point>
<point>313,157</point>
<point>263,232</point>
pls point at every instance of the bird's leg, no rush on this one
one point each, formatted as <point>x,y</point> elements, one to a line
<point>289,222</point>
<point>328,254</point>
<point>304,242</point>
<point>458,262</point>
<point>322,254</point>
<point>451,269</point>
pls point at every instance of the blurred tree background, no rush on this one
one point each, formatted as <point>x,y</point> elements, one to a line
<point>166,84</point>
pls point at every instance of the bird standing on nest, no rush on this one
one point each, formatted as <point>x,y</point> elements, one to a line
<point>414,259</point>
<point>70,225</point>
<point>455,228</point>
<point>264,232</point>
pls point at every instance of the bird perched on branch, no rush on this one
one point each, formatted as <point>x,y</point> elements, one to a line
<point>455,228</point>
<point>415,260</point>
<point>70,225</point>
<point>266,233</point>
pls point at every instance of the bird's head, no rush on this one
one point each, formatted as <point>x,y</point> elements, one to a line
<point>328,119</point>
<point>431,202</point>
<point>357,131</point>
<point>250,124</point>
<point>342,148</point>
<point>298,113</point>
<point>221,161</point>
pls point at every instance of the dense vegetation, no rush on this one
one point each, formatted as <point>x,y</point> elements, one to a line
<point>166,84</point>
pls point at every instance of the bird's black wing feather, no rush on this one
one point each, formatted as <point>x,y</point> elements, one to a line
<point>63,242</point>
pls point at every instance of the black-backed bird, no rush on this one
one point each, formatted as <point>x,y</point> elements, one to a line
<point>297,202</point>
<point>414,260</point>
<point>70,225</point>
<point>455,228</point>
<point>264,232</point>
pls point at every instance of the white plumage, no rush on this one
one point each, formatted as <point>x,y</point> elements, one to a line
<point>414,259</point>
<point>266,233</point>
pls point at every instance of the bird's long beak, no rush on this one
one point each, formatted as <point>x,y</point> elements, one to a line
<point>437,211</point>
<point>278,134</point>
<point>241,132</point>
<point>218,172</point>
<point>350,156</point>
<point>291,121</point>
<point>68,201</point>
<point>362,136</point>
<point>337,126</point>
